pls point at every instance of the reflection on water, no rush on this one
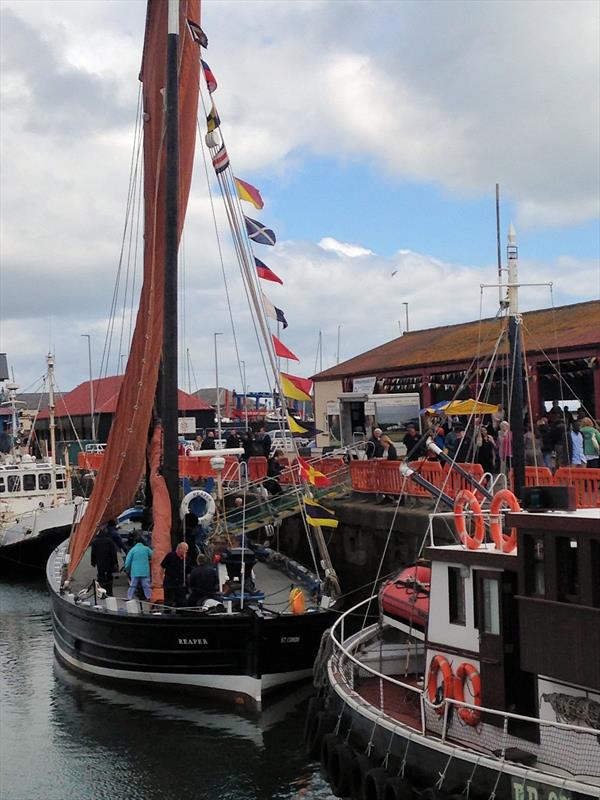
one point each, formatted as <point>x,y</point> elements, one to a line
<point>63,736</point>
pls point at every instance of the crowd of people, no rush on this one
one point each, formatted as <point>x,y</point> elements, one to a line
<point>253,444</point>
<point>558,439</point>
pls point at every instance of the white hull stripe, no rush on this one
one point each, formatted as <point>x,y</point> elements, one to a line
<point>235,684</point>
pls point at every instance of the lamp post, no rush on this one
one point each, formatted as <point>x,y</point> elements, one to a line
<point>245,389</point>
<point>406,309</point>
<point>92,409</point>
<point>217,382</point>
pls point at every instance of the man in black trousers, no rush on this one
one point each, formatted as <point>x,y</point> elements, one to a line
<point>104,558</point>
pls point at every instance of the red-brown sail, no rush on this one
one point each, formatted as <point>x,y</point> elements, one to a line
<point>125,455</point>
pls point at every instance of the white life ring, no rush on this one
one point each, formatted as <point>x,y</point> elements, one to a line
<point>210,505</point>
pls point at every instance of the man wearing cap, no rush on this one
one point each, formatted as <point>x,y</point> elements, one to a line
<point>374,448</point>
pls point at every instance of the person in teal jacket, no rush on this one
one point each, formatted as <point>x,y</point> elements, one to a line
<point>137,564</point>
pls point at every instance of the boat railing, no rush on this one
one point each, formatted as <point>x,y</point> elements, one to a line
<point>560,745</point>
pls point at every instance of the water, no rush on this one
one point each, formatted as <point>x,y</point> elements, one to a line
<point>63,736</point>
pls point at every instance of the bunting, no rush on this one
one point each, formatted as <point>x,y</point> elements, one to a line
<point>265,272</point>
<point>212,120</point>
<point>316,514</point>
<point>295,426</point>
<point>304,384</point>
<point>295,388</point>
<point>258,232</point>
<point>197,33</point>
<point>211,81</point>
<point>311,475</point>
<point>249,193</point>
<point>273,312</point>
<point>282,351</point>
<point>220,160</point>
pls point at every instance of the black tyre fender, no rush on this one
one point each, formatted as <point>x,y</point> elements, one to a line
<point>323,722</point>
<point>314,705</point>
<point>361,765</point>
<point>397,789</point>
<point>434,794</point>
<point>328,744</point>
<point>340,769</point>
<point>373,784</point>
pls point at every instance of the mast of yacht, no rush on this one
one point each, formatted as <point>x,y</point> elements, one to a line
<point>516,376</point>
<point>168,381</point>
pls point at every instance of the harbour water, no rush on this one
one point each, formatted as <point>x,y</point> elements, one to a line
<point>63,736</point>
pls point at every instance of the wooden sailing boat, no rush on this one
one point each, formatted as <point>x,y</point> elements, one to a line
<point>252,644</point>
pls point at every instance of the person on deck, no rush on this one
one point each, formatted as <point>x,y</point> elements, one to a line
<point>104,558</point>
<point>176,566</point>
<point>202,581</point>
<point>208,443</point>
<point>374,447</point>
<point>113,531</point>
<point>137,564</point>
<point>275,467</point>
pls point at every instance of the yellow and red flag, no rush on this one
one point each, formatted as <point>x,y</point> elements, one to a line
<point>311,475</point>
<point>249,193</point>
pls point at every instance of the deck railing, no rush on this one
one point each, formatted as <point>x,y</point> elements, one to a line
<point>383,477</point>
<point>572,748</point>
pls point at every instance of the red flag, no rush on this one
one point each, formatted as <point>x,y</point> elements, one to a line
<point>304,384</point>
<point>265,273</point>
<point>282,351</point>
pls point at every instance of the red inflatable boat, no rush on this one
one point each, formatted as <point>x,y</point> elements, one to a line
<point>407,596</point>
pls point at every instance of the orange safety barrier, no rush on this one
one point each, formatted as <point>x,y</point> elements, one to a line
<point>191,467</point>
<point>458,482</point>
<point>538,476</point>
<point>586,482</point>
<point>362,476</point>
<point>257,468</point>
<point>290,474</point>
<point>328,465</point>
<point>432,471</point>
<point>389,479</point>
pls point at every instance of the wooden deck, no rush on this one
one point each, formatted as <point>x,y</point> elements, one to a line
<point>401,704</point>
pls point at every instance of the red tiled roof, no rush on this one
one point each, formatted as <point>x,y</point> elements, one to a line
<point>565,327</point>
<point>76,403</point>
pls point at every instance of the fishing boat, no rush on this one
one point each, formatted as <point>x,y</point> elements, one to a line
<point>264,628</point>
<point>37,507</point>
<point>480,678</point>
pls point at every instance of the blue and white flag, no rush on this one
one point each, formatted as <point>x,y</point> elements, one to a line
<point>258,232</point>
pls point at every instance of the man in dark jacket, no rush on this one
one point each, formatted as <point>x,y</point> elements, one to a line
<point>410,441</point>
<point>176,566</point>
<point>208,443</point>
<point>104,558</point>
<point>203,581</point>
<point>264,442</point>
<point>233,440</point>
<point>113,531</point>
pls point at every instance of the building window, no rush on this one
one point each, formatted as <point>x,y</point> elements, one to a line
<point>535,580</point>
<point>491,606</point>
<point>44,480</point>
<point>456,596</point>
<point>567,571</point>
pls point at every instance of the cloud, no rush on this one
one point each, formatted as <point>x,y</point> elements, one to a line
<point>350,250</point>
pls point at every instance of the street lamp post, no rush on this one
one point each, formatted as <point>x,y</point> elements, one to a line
<point>217,382</point>
<point>406,309</point>
<point>92,409</point>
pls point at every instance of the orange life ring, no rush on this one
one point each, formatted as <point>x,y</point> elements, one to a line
<point>466,498</point>
<point>504,542</point>
<point>440,663</point>
<point>467,672</point>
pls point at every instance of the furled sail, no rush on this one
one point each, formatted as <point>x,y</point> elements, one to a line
<point>125,455</point>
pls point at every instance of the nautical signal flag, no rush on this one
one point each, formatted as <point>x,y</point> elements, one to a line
<point>211,81</point>
<point>248,192</point>
<point>295,388</point>
<point>282,351</point>
<point>266,273</point>
<point>212,120</point>
<point>311,475</point>
<point>273,312</point>
<point>316,514</point>
<point>197,33</point>
<point>295,426</point>
<point>220,160</point>
<point>258,232</point>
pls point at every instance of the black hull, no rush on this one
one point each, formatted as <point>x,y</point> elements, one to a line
<point>428,759</point>
<point>242,655</point>
<point>32,554</point>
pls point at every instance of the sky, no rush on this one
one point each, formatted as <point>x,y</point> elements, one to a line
<point>375,131</point>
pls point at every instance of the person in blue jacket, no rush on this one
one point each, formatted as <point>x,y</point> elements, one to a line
<point>137,565</point>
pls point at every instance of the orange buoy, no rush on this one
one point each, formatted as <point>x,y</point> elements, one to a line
<point>440,663</point>
<point>467,672</point>
<point>466,499</point>
<point>297,602</point>
<point>504,542</point>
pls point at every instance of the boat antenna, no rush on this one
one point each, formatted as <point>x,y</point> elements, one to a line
<point>515,365</point>
<point>168,394</point>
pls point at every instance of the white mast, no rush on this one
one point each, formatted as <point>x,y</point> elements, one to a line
<point>50,362</point>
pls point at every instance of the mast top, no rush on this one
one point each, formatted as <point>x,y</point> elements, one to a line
<point>512,253</point>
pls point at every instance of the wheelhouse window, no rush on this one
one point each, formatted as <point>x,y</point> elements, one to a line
<point>456,596</point>
<point>44,480</point>
<point>491,606</point>
<point>2,486</point>
<point>14,483</point>
<point>29,484</point>
<point>535,579</point>
<point>60,480</point>
<point>567,569</point>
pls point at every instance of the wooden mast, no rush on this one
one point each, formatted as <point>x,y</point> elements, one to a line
<point>168,382</point>
<point>515,367</point>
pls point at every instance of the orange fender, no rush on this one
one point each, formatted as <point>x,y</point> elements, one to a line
<point>467,672</point>
<point>504,542</point>
<point>440,663</point>
<point>465,499</point>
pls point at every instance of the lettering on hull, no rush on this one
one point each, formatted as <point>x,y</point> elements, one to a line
<point>193,641</point>
<point>290,639</point>
<point>530,790</point>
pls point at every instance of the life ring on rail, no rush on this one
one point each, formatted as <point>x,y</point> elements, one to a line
<point>440,663</point>
<point>467,672</point>
<point>208,499</point>
<point>463,499</point>
<point>504,542</point>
